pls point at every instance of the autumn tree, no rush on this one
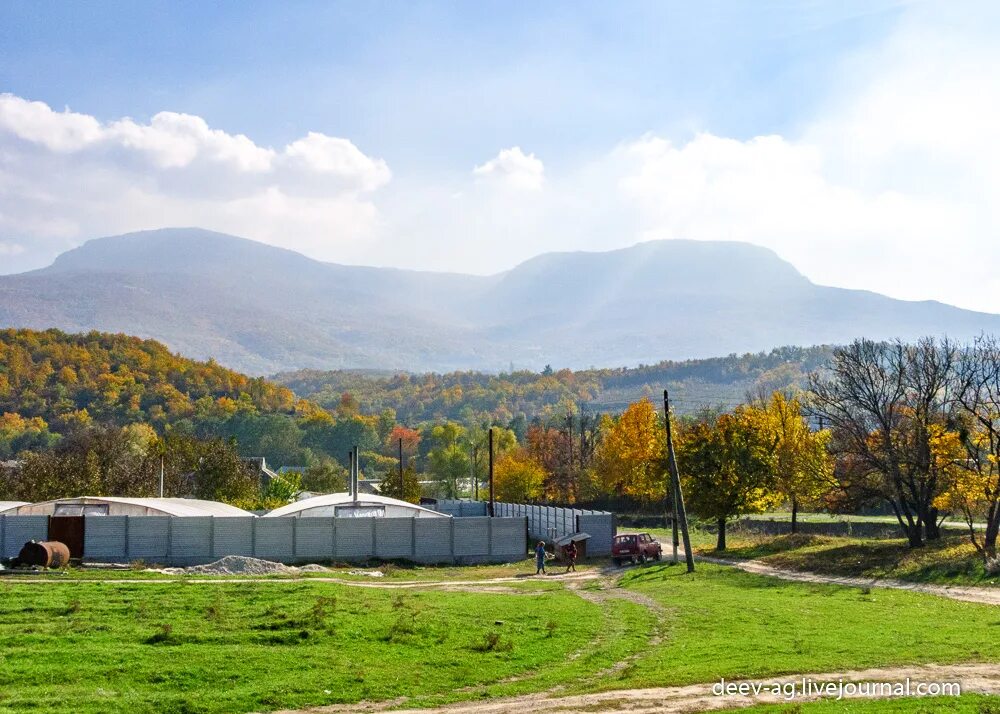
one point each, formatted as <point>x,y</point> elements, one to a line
<point>630,458</point>
<point>448,458</point>
<point>409,490</point>
<point>549,447</point>
<point>803,467</point>
<point>975,491</point>
<point>325,476</point>
<point>518,478</point>
<point>728,468</point>
<point>882,401</point>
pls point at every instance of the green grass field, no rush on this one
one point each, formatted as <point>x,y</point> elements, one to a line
<point>201,647</point>
<point>194,646</point>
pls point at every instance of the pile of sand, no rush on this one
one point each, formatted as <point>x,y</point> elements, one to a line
<point>244,565</point>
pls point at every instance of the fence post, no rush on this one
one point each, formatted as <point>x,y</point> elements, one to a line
<point>413,538</point>
<point>451,539</point>
<point>170,538</point>
<point>128,520</point>
<point>489,537</point>
<point>253,537</point>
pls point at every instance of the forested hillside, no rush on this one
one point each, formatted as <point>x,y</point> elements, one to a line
<point>61,381</point>
<point>472,397</point>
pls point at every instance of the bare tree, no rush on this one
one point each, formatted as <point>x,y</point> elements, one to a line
<point>978,396</point>
<point>880,399</point>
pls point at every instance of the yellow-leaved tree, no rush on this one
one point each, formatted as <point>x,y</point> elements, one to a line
<point>727,467</point>
<point>803,467</point>
<point>517,477</point>
<point>629,461</point>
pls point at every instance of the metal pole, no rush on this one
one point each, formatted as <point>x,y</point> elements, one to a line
<point>161,475</point>
<point>678,493</point>
<point>492,495</point>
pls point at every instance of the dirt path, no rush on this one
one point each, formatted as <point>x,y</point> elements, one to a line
<point>974,678</point>
<point>984,595</point>
<point>482,585</point>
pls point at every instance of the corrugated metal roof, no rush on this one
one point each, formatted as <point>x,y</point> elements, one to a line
<point>345,499</point>
<point>168,506</point>
<point>10,505</point>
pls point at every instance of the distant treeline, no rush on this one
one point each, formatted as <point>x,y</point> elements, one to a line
<point>473,397</point>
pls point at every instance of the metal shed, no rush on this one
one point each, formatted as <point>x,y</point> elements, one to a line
<point>344,505</point>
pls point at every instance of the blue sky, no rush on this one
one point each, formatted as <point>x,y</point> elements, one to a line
<point>856,139</point>
<point>429,85</point>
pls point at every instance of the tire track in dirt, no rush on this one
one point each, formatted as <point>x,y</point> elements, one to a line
<point>974,679</point>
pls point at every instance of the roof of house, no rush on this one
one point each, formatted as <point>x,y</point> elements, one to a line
<point>168,506</point>
<point>345,499</point>
<point>10,505</point>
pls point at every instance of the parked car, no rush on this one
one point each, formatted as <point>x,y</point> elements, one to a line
<point>635,548</point>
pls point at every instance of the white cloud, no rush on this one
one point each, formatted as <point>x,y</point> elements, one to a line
<point>513,168</point>
<point>338,157</point>
<point>65,176</point>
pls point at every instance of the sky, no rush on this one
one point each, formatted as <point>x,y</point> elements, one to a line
<point>858,140</point>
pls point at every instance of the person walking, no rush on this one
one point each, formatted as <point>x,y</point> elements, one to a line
<point>540,557</point>
<point>571,553</point>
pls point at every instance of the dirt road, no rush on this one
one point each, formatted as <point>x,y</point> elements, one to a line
<point>974,678</point>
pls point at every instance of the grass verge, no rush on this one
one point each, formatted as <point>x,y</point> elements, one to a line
<point>949,561</point>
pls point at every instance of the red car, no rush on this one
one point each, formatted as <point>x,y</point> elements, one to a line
<point>636,548</point>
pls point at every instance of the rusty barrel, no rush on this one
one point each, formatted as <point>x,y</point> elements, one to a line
<point>44,554</point>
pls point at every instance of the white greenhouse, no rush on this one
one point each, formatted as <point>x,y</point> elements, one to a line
<point>344,505</point>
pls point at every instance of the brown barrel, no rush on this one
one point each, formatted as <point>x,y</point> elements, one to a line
<point>44,554</point>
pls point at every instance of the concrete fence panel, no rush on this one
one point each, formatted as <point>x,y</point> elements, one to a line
<point>355,538</point>
<point>433,539</point>
<point>508,538</point>
<point>274,538</point>
<point>313,538</point>
<point>18,530</point>
<point>472,536</point>
<point>394,537</point>
<point>190,539</point>
<point>232,536</point>
<point>148,538</point>
<point>105,538</point>
<point>601,529</point>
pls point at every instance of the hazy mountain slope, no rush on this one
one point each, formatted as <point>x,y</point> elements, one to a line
<point>263,309</point>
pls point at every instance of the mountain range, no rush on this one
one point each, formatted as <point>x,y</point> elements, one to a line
<point>262,309</point>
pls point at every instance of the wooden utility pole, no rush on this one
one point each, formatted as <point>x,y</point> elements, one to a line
<point>679,513</point>
<point>492,495</point>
